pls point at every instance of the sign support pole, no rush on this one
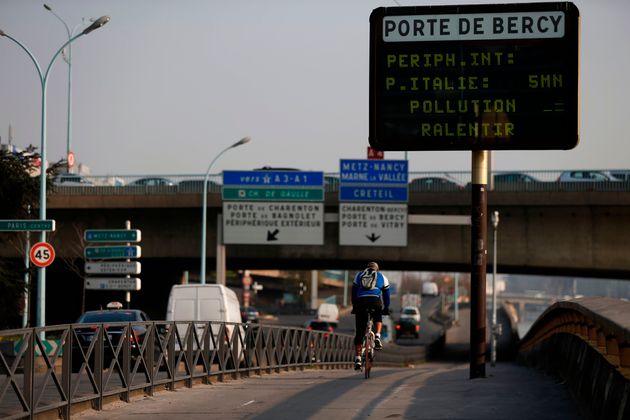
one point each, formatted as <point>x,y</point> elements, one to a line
<point>220,257</point>
<point>27,276</point>
<point>478,237</point>
<point>128,292</point>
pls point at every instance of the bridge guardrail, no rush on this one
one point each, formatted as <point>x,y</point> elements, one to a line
<point>587,342</point>
<point>434,181</point>
<point>141,357</point>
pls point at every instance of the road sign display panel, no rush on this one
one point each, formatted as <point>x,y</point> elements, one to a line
<point>112,235</point>
<point>112,252</point>
<point>274,178</point>
<point>113,283</point>
<point>273,223</point>
<point>372,224</point>
<point>27,225</point>
<point>373,193</point>
<point>273,194</point>
<point>370,171</point>
<point>474,77</point>
<point>113,267</point>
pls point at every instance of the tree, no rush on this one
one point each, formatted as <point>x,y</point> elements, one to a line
<point>19,195</point>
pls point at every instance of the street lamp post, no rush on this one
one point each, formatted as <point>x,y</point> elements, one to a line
<point>43,77</point>
<point>495,329</point>
<point>204,207</point>
<point>68,60</point>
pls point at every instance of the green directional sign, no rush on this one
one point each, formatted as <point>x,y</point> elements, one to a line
<point>27,225</point>
<point>112,252</point>
<point>112,235</point>
<point>275,194</point>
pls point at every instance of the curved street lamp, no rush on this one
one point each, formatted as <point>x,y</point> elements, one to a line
<point>43,78</point>
<point>68,59</point>
<point>204,206</point>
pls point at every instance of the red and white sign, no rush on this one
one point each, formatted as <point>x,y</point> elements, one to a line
<point>42,254</point>
<point>375,154</point>
<point>70,159</point>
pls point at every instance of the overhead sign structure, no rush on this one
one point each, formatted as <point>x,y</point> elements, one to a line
<point>112,235</point>
<point>372,224</point>
<point>27,225</point>
<point>42,254</point>
<point>273,223</point>
<point>113,267</point>
<point>112,252</point>
<point>474,77</point>
<point>113,283</point>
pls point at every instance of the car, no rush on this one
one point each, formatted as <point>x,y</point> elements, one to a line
<point>72,180</point>
<point>586,176</point>
<point>116,315</point>
<point>152,182</point>
<point>196,185</point>
<point>317,325</point>
<point>250,315</point>
<point>408,328</point>
<point>623,175</point>
<point>516,181</point>
<point>513,177</point>
<point>434,184</point>
<point>410,312</point>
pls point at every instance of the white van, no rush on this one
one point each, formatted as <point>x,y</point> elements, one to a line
<point>328,312</point>
<point>203,302</point>
<point>430,288</point>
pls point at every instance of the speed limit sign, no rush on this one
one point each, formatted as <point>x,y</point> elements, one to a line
<point>42,254</point>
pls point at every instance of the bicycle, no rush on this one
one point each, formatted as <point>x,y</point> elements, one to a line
<point>367,349</point>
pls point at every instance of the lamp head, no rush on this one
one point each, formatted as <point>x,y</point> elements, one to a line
<point>242,141</point>
<point>47,7</point>
<point>2,33</point>
<point>495,218</point>
<point>96,24</point>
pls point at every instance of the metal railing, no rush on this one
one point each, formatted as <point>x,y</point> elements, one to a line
<point>436,181</point>
<point>56,368</point>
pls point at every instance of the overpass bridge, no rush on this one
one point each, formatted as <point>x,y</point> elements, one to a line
<point>552,228</point>
<point>548,229</point>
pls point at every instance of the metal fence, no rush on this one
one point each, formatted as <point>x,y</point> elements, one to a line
<point>443,181</point>
<point>54,369</point>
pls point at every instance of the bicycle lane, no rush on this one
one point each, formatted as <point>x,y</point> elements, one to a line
<point>432,390</point>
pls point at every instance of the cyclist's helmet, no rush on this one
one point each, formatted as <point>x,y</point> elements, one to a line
<point>373,266</point>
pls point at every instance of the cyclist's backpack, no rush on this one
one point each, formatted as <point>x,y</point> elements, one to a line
<point>368,279</point>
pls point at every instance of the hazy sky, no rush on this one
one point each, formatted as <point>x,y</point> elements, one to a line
<point>166,85</point>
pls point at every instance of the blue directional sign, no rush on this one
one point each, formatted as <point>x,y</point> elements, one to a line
<point>274,178</point>
<point>376,193</point>
<point>112,252</point>
<point>367,171</point>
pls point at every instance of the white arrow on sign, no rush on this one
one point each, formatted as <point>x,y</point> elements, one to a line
<point>112,283</point>
<point>113,267</point>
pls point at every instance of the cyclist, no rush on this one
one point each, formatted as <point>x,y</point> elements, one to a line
<point>370,290</point>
